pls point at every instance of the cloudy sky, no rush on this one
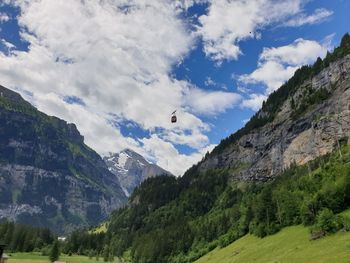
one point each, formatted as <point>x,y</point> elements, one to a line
<point>118,68</point>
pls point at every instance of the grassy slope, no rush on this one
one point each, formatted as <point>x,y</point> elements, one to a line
<point>99,229</point>
<point>291,244</point>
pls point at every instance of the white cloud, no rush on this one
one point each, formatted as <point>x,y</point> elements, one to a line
<point>4,17</point>
<point>209,82</point>
<point>271,73</point>
<point>167,156</point>
<point>276,65</point>
<point>8,45</point>
<point>301,51</point>
<point>116,56</point>
<point>254,101</point>
<point>229,22</point>
<point>319,16</point>
<point>210,103</point>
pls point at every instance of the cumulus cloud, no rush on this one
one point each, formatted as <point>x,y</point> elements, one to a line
<point>271,73</point>
<point>254,101</point>
<point>318,16</point>
<point>229,22</point>
<point>276,65</point>
<point>166,155</point>
<point>210,103</point>
<point>116,57</point>
<point>301,51</point>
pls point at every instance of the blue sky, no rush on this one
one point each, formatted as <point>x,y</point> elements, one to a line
<point>119,68</point>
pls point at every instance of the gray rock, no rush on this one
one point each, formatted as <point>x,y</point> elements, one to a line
<point>265,152</point>
<point>131,169</point>
<point>48,176</point>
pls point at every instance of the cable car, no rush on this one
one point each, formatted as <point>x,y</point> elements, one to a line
<point>173,117</point>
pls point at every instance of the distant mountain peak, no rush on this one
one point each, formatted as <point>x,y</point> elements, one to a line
<point>131,169</point>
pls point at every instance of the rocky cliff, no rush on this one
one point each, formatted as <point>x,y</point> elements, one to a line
<point>48,176</point>
<point>131,169</point>
<point>312,121</point>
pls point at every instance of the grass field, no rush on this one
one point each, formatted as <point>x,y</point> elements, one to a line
<point>37,258</point>
<point>291,244</point>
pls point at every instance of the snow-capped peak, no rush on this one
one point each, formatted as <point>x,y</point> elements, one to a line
<point>122,158</point>
<point>131,169</point>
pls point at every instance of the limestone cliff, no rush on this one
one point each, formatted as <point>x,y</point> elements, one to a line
<point>303,128</point>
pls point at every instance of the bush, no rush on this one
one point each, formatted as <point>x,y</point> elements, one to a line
<point>346,223</point>
<point>326,222</point>
<point>45,251</point>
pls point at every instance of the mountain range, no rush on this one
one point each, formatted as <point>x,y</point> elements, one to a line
<point>50,178</point>
<point>289,165</point>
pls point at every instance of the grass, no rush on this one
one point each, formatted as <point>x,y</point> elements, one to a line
<point>346,213</point>
<point>290,245</point>
<point>100,229</point>
<point>38,258</point>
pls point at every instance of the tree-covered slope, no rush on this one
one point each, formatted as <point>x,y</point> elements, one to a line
<point>48,176</point>
<point>228,194</point>
<point>171,220</point>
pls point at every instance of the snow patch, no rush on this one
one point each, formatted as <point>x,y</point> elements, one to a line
<point>126,192</point>
<point>123,157</point>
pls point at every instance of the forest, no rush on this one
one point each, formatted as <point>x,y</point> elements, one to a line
<point>179,220</point>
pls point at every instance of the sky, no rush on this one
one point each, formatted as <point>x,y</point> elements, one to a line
<point>118,69</point>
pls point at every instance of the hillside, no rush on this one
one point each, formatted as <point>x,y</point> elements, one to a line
<point>131,169</point>
<point>302,145</point>
<point>290,245</point>
<point>308,122</point>
<point>48,176</point>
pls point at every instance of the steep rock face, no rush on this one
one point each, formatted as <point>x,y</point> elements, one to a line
<point>131,169</point>
<point>294,136</point>
<point>48,176</point>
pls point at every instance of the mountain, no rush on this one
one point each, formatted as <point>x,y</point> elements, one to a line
<point>310,122</point>
<point>289,165</point>
<point>131,169</point>
<point>48,176</point>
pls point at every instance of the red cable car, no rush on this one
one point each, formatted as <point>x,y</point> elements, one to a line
<point>173,117</point>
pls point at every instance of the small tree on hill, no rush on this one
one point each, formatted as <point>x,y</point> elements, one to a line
<point>55,252</point>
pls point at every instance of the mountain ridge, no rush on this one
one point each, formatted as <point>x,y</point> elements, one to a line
<point>48,176</point>
<point>131,169</point>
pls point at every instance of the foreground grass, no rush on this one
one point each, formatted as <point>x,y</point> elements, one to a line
<point>37,258</point>
<point>291,244</point>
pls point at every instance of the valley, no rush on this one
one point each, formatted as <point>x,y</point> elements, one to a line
<point>174,131</point>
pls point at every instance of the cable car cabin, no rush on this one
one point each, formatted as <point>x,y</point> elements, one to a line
<point>173,119</point>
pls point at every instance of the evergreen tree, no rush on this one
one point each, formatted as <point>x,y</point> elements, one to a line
<point>105,253</point>
<point>55,252</point>
<point>345,41</point>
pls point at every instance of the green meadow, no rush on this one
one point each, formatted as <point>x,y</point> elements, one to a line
<point>291,244</point>
<point>38,258</point>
